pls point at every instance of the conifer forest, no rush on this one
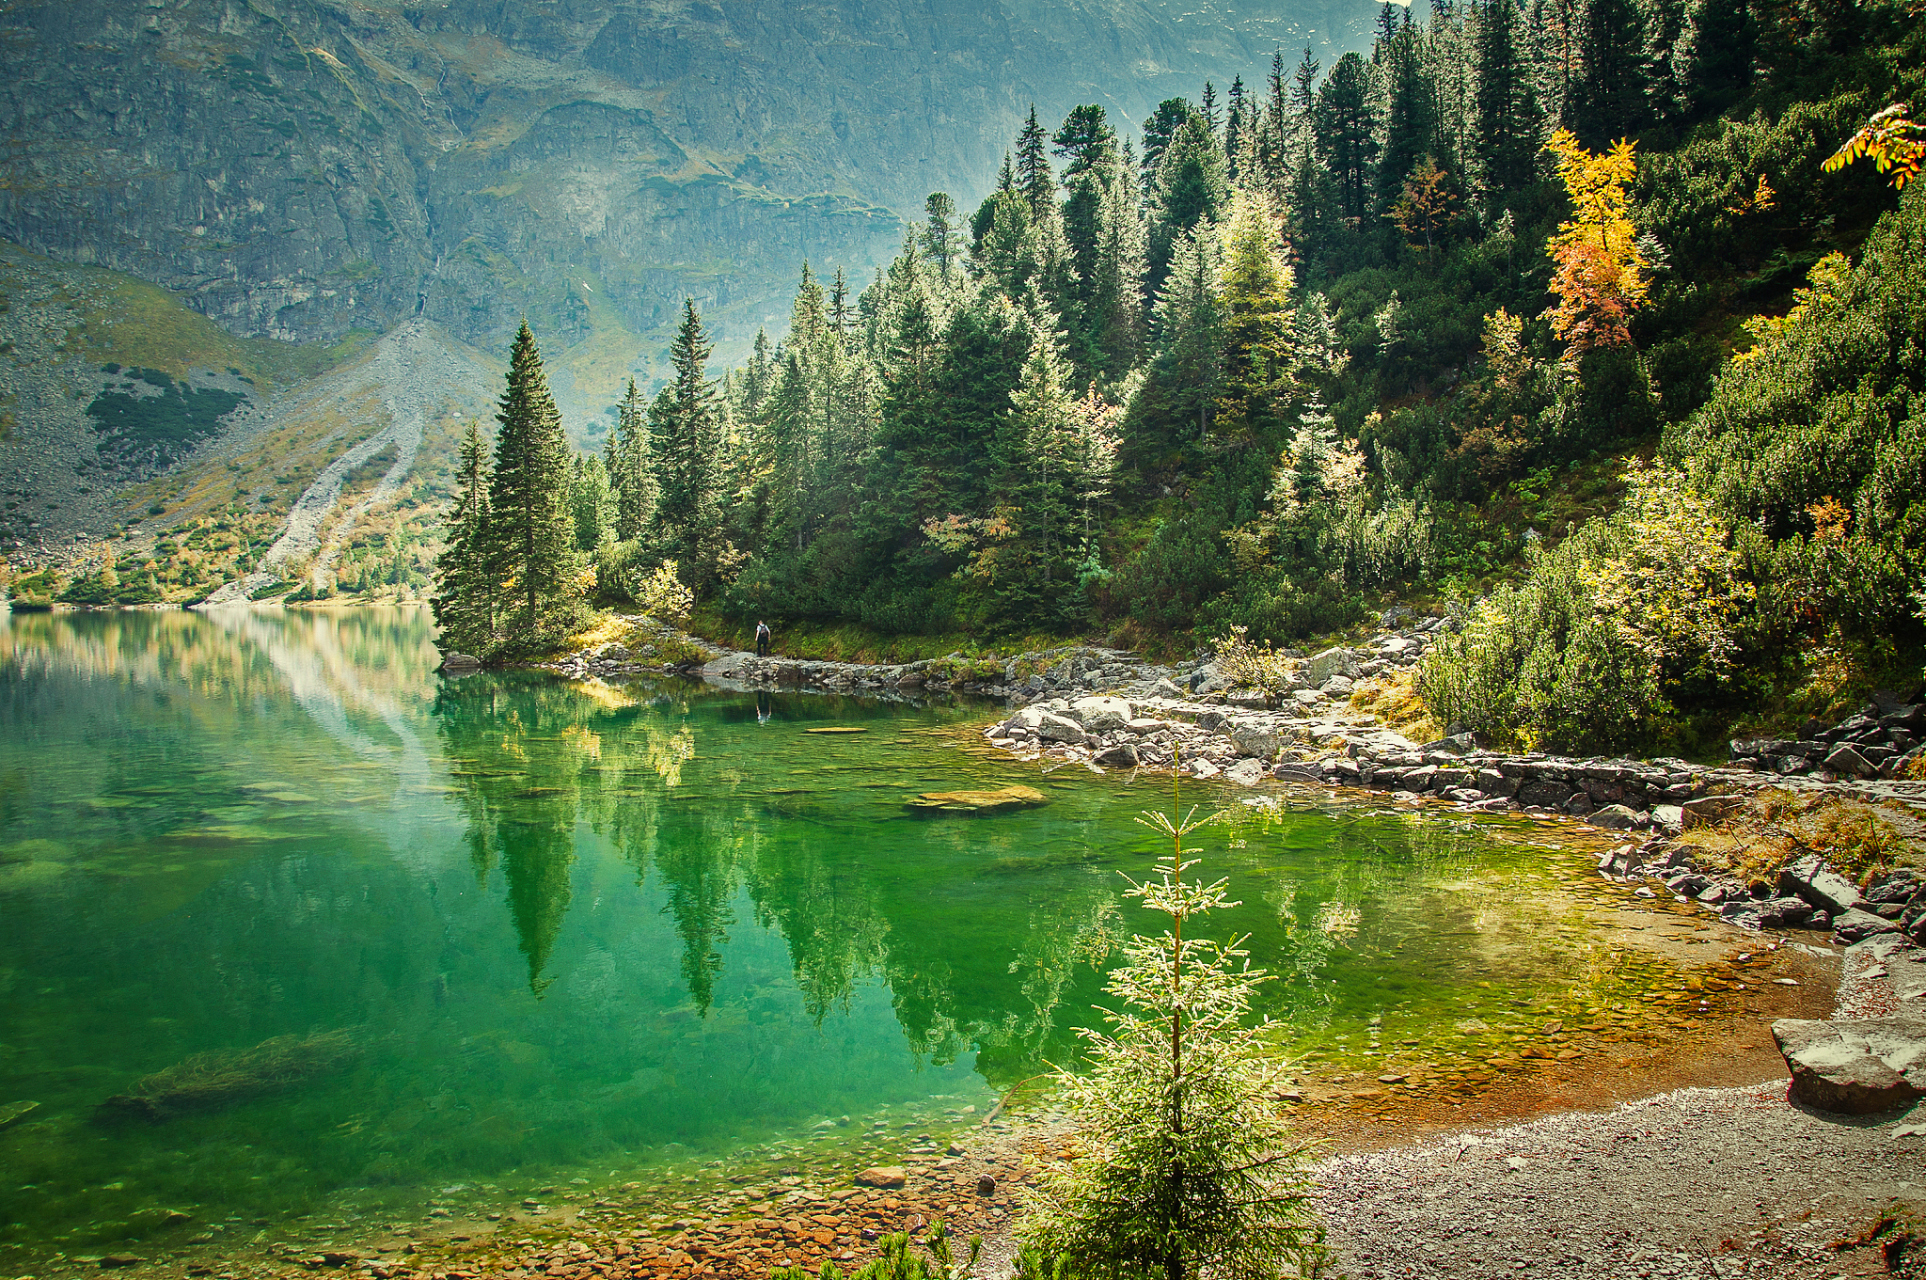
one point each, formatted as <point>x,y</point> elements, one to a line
<point>1576,316</point>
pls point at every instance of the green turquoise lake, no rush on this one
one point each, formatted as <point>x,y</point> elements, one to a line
<point>288,922</point>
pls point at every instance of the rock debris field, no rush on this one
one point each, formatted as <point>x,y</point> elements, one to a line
<point>1695,1182</point>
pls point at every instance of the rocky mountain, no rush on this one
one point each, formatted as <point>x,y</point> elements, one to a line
<point>311,174</point>
<point>300,168</point>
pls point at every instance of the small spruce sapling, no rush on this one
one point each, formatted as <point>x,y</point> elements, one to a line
<point>1186,1167</point>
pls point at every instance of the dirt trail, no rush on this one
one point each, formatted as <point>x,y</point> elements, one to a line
<point>416,371</point>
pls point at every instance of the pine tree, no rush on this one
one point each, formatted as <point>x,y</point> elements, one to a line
<point>531,534</point>
<point>1086,143</point>
<point>629,473</point>
<point>1033,175</point>
<point>941,240</point>
<point>1722,42</point>
<point>1346,135</point>
<point>687,443</point>
<point>1608,99</point>
<point>1162,126</point>
<point>465,595</point>
<point>1506,135</point>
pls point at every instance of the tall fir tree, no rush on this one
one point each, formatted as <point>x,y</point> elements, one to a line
<point>1191,188</point>
<point>1721,45</point>
<point>466,599</point>
<point>1347,135</point>
<point>629,473</point>
<point>942,243</point>
<point>1033,175</point>
<point>1411,122</point>
<point>532,534</point>
<point>1506,136</point>
<point>1608,99</point>
<point>687,445</point>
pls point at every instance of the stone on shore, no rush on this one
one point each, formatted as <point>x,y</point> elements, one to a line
<point>1616,816</point>
<point>1101,714</point>
<point>978,801</point>
<point>1855,1067</point>
<point>886,1176</point>
<point>1809,878</point>
<point>1121,756</point>
<point>1331,662</point>
<point>460,662</point>
<point>1709,811</point>
<point>1856,926</point>
<point>1056,728</point>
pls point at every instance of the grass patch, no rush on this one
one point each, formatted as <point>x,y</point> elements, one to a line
<point>1857,839</point>
<point>852,642</point>
<point>1394,700</point>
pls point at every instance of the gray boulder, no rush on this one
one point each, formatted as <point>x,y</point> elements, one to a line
<point>1336,687</point>
<point>1617,816</point>
<point>1858,1067</point>
<point>1056,728</point>
<point>1121,756</point>
<point>1809,878</point>
<point>1165,689</point>
<point>1259,741</point>
<point>1856,926</point>
<point>1100,714</point>
<point>1847,760</point>
<point>1332,662</point>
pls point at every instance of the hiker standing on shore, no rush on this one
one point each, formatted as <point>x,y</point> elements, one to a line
<point>762,639</point>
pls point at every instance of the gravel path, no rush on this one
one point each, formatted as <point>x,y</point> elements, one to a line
<point>1697,1182</point>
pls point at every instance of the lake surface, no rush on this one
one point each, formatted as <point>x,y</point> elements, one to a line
<point>515,931</point>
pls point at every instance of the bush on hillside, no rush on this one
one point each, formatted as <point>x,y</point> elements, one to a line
<point>1815,447</point>
<point>1586,650</point>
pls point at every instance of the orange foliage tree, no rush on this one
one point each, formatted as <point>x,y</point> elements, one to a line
<point>1600,279</point>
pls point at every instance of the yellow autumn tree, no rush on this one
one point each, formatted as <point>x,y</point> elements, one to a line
<point>1894,143</point>
<point>1600,280</point>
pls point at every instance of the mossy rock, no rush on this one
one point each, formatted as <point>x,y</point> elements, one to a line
<point>978,801</point>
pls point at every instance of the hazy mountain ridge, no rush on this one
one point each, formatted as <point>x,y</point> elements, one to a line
<point>300,168</point>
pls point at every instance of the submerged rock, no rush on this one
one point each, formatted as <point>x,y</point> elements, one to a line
<point>883,1176</point>
<point>978,801</point>
<point>221,1078</point>
<point>14,1112</point>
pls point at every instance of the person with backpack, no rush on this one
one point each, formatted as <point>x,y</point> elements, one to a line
<point>762,639</point>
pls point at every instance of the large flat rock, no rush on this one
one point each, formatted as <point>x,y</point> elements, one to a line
<point>995,801</point>
<point>1858,1067</point>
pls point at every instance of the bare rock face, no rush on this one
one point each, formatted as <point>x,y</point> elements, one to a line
<point>1856,1067</point>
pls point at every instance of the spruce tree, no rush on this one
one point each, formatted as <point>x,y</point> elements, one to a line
<point>1162,126</point>
<point>629,464</point>
<point>532,537</point>
<point>1411,124</point>
<point>1191,188</point>
<point>1508,124</point>
<point>686,455</point>
<point>465,597</point>
<point>1346,135</point>
<point>1033,175</point>
<point>1608,100</point>
<point>1085,142</point>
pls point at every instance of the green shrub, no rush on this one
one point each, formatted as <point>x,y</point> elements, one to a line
<point>1586,650</point>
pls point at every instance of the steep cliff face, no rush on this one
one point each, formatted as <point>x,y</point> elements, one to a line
<point>300,168</point>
